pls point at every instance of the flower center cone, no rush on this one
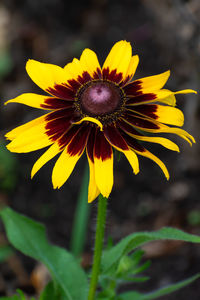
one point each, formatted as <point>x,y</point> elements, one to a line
<point>100,98</point>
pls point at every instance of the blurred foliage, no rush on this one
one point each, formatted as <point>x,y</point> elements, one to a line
<point>193,217</point>
<point>82,213</point>
<point>8,166</point>
<point>20,296</point>
<point>6,63</point>
<point>5,252</point>
<point>30,238</point>
<point>121,264</point>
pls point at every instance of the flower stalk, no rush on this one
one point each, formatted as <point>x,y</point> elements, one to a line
<point>80,223</point>
<point>99,239</point>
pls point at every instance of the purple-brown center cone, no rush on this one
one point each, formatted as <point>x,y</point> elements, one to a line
<point>100,98</point>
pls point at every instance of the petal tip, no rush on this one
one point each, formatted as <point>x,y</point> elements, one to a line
<point>105,194</point>
<point>29,64</point>
<point>192,91</point>
<point>165,171</point>
<point>55,186</point>
<point>90,200</point>
<point>8,147</point>
<point>29,61</point>
<point>33,172</point>
<point>136,171</point>
<point>186,91</point>
<point>193,140</point>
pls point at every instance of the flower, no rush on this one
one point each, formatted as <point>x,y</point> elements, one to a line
<point>97,109</point>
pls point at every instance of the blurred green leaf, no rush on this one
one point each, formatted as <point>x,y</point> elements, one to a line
<point>81,217</point>
<point>112,256</point>
<point>29,237</point>
<point>128,265</point>
<point>51,292</point>
<point>5,252</point>
<point>125,272</point>
<point>20,296</point>
<point>193,217</point>
<point>10,298</point>
<point>8,164</point>
<point>158,293</point>
<point>131,296</point>
<point>5,63</point>
<point>110,243</point>
<point>136,279</point>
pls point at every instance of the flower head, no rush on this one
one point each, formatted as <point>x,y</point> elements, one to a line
<point>97,109</point>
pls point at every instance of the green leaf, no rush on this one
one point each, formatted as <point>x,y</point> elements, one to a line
<point>6,63</point>
<point>10,298</point>
<point>20,296</point>
<point>158,293</point>
<point>8,166</point>
<point>135,279</point>
<point>131,296</point>
<point>112,256</point>
<point>48,291</point>
<point>51,292</point>
<point>5,252</point>
<point>129,264</point>
<point>29,237</point>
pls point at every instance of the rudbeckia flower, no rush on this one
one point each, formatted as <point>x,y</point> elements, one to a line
<point>97,109</point>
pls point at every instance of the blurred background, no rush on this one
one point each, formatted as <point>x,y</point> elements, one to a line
<point>166,35</point>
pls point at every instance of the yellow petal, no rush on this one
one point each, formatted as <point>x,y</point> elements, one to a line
<point>132,66</point>
<point>148,154</point>
<point>163,96</point>
<point>22,128</point>
<point>90,119</point>
<point>182,133</point>
<point>63,168</point>
<point>188,91</point>
<point>93,191</point>
<point>167,96</point>
<point>89,61</point>
<point>164,128</point>
<point>32,139</point>
<point>48,155</point>
<point>158,140</point>
<point>170,115</point>
<point>74,69</point>
<point>45,75</point>
<point>164,114</point>
<point>153,83</point>
<point>130,155</point>
<point>104,175</point>
<point>30,99</point>
<point>133,160</point>
<point>187,139</point>
<point>119,58</point>
<point>170,99</point>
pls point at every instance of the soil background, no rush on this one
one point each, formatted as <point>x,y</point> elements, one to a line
<point>165,35</point>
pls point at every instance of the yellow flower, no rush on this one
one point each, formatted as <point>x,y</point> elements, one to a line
<point>97,109</point>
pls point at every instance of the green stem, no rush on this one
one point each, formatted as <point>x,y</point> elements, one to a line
<point>99,239</point>
<point>81,218</point>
